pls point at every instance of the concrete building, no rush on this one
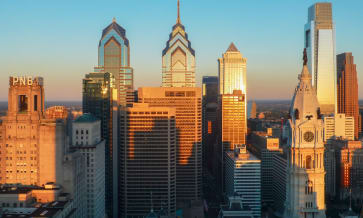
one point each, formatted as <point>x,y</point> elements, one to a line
<point>148,160</point>
<point>253,114</point>
<point>243,176</point>
<point>235,208</point>
<point>188,105</point>
<point>87,140</point>
<point>348,89</point>
<point>338,126</point>
<point>178,58</point>
<point>305,194</point>
<point>27,138</point>
<point>320,46</point>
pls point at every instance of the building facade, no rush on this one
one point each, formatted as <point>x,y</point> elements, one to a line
<point>148,161</point>
<point>87,140</point>
<point>243,176</point>
<point>305,194</point>
<point>320,45</point>
<point>27,137</point>
<point>188,105</point>
<point>348,89</point>
<point>178,58</point>
<point>338,126</point>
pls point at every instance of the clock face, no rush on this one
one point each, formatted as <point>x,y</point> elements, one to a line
<point>308,136</point>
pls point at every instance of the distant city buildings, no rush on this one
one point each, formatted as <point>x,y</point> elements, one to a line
<point>243,176</point>
<point>178,58</point>
<point>253,114</point>
<point>320,45</point>
<point>348,89</point>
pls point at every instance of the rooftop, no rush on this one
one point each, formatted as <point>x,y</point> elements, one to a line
<point>86,118</point>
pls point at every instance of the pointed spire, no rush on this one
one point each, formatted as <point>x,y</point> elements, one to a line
<point>232,48</point>
<point>113,20</point>
<point>178,19</point>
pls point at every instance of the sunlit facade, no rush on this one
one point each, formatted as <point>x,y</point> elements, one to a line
<point>178,59</point>
<point>188,105</point>
<point>320,45</point>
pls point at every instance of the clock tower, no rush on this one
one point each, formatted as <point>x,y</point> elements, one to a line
<point>305,194</point>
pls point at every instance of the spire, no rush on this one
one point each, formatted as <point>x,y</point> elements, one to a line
<point>178,19</point>
<point>114,20</point>
<point>305,75</point>
<point>232,48</point>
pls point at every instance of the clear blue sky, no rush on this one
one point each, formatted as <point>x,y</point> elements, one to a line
<point>58,39</point>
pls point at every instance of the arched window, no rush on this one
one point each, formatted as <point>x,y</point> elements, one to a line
<point>308,162</point>
<point>296,114</point>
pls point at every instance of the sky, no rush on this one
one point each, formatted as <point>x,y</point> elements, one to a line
<point>58,39</point>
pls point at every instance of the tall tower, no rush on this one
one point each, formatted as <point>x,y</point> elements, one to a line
<point>178,58</point>
<point>348,89</point>
<point>320,45</point>
<point>232,88</point>
<point>305,194</point>
<point>114,58</point>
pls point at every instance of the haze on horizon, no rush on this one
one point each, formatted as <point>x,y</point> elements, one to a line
<point>58,40</point>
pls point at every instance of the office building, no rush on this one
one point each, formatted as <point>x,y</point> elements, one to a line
<point>305,194</point>
<point>279,174</point>
<point>87,140</point>
<point>114,58</point>
<point>232,71</point>
<point>243,176</point>
<point>178,58</point>
<point>320,45</point>
<point>27,138</point>
<point>233,121</point>
<point>348,89</point>
<point>188,105</point>
<point>265,147</point>
<point>148,161</point>
<point>338,126</point>
<point>106,92</point>
<point>209,117</point>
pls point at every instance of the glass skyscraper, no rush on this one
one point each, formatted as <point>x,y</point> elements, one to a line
<point>178,59</point>
<point>320,45</point>
<point>114,58</point>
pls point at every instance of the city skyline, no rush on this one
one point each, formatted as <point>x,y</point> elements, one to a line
<point>280,57</point>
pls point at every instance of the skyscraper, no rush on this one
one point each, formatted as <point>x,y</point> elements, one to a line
<point>188,118</point>
<point>114,58</point>
<point>106,93</point>
<point>232,71</point>
<point>348,89</point>
<point>320,45</point>
<point>99,99</point>
<point>232,88</point>
<point>305,194</point>
<point>147,161</point>
<point>209,113</point>
<point>178,58</point>
<point>253,114</point>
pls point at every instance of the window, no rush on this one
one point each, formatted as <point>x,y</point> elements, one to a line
<point>22,103</point>
<point>308,162</point>
<point>35,102</point>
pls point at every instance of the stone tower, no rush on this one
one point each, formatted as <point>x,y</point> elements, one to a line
<point>305,194</point>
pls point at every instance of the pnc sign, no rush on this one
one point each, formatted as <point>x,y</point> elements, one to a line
<point>25,80</point>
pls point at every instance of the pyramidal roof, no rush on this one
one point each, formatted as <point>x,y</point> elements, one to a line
<point>114,26</point>
<point>232,48</point>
